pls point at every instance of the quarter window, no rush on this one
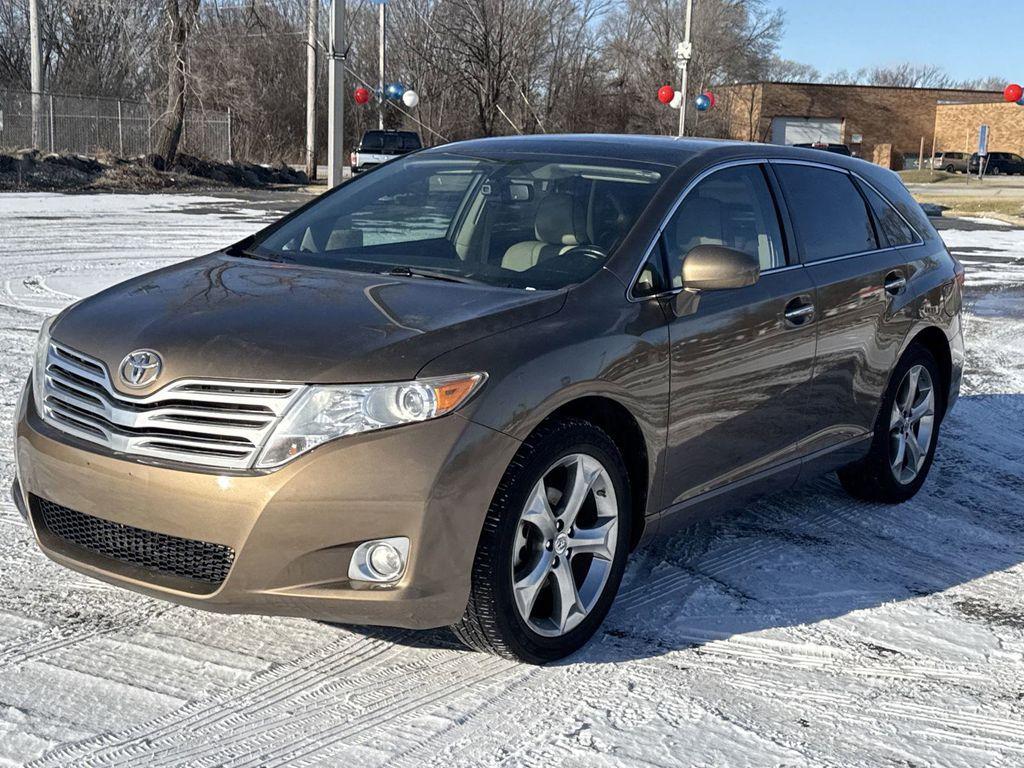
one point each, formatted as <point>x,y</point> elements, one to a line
<point>732,207</point>
<point>829,213</point>
<point>892,228</point>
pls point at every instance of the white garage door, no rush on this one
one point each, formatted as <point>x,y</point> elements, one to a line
<point>806,130</point>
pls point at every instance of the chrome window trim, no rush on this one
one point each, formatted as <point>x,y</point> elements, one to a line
<point>761,161</point>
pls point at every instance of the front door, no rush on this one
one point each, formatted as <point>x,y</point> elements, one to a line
<point>741,359</point>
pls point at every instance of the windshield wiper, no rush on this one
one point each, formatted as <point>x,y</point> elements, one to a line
<point>242,252</point>
<point>403,271</point>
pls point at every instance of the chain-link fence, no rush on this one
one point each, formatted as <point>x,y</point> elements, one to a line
<point>88,124</point>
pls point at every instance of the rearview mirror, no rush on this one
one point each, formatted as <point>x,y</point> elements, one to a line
<point>717,268</point>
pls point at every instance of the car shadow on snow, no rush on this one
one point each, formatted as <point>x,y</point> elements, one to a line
<point>814,553</point>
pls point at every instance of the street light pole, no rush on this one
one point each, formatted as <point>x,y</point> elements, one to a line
<point>336,96</point>
<point>381,62</point>
<point>312,12</point>
<point>36,73</point>
<point>683,54</point>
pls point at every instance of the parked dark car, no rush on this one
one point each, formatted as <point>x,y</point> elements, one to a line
<point>839,149</point>
<point>378,147</point>
<point>951,162</point>
<point>997,163</point>
<point>461,389</point>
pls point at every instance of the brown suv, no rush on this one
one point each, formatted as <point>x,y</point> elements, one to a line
<point>461,388</point>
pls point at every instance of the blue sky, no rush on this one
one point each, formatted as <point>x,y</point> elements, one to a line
<point>850,34</point>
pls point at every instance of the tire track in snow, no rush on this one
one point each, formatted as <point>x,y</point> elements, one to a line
<point>282,684</point>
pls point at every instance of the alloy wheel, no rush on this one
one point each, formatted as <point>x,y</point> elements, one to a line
<point>911,424</point>
<point>564,545</point>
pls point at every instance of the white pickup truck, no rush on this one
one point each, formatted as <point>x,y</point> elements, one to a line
<point>378,147</point>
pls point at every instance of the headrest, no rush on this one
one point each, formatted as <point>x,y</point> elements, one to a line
<point>700,223</point>
<point>557,223</point>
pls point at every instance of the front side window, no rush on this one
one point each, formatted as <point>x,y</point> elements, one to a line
<point>533,224</point>
<point>829,213</point>
<point>732,207</point>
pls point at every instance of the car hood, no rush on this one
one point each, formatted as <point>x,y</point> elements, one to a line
<point>231,318</point>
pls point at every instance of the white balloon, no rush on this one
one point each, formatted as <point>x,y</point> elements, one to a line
<point>410,98</point>
<point>676,100</point>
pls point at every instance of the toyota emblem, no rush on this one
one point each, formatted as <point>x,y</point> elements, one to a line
<point>140,368</point>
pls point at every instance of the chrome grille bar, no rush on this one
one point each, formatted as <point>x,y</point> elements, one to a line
<point>217,424</point>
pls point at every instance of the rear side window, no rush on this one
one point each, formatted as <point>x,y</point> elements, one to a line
<point>892,228</point>
<point>830,215</point>
<point>732,207</point>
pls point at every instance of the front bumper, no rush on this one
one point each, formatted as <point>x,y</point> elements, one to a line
<point>293,530</point>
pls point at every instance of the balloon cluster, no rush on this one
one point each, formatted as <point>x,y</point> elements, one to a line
<point>1014,92</point>
<point>669,95</point>
<point>393,91</point>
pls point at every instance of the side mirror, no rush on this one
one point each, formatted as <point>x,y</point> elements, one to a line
<point>717,268</point>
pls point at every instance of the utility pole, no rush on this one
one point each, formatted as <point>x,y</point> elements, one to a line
<point>683,55</point>
<point>336,91</point>
<point>36,67</point>
<point>381,61</point>
<point>312,13</point>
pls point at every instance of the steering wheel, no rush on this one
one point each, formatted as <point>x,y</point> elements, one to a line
<point>588,250</point>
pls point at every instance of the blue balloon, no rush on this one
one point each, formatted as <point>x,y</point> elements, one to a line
<point>394,90</point>
<point>1021,101</point>
<point>702,103</point>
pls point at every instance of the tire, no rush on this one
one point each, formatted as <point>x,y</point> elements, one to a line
<point>993,171</point>
<point>874,478</point>
<point>950,169</point>
<point>514,547</point>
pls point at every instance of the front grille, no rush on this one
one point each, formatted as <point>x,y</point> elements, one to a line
<point>219,424</point>
<point>158,552</point>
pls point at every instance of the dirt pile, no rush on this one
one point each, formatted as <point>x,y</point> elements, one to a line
<point>28,170</point>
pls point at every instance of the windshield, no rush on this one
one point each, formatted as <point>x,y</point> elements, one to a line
<point>533,224</point>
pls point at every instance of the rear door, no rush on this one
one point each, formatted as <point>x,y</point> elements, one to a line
<point>741,359</point>
<point>860,268</point>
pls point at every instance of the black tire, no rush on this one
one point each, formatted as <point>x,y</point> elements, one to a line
<point>950,169</point>
<point>872,478</point>
<point>492,622</point>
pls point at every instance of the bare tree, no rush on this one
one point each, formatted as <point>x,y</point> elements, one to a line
<point>180,17</point>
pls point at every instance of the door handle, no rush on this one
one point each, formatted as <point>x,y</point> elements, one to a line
<point>799,311</point>
<point>895,282</point>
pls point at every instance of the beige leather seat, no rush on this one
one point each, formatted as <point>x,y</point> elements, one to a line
<point>558,228</point>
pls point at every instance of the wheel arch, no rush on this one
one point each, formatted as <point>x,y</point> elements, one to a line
<point>619,423</point>
<point>934,340</point>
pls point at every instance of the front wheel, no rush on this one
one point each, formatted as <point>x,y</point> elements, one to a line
<point>553,547</point>
<point>906,433</point>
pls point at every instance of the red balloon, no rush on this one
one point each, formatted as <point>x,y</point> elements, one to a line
<point>665,94</point>
<point>711,97</point>
<point>361,95</point>
<point>1013,92</point>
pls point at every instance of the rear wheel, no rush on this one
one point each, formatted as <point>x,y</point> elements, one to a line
<point>950,169</point>
<point>553,547</point>
<point>906,432</point>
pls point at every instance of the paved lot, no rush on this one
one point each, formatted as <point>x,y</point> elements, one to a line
<point>806,629</point>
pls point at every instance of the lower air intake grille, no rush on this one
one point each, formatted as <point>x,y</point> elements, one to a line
<point>170,555</point>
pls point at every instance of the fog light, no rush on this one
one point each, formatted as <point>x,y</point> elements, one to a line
<point>380,560</point>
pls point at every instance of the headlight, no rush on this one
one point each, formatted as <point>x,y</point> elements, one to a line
<point>39,364</point>
<point>325,413</point>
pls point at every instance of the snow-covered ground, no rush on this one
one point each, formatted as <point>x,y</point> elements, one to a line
<point>808,629</point>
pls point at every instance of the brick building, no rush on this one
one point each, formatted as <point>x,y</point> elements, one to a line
<point>878,123</point>
<point>957,125</point>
